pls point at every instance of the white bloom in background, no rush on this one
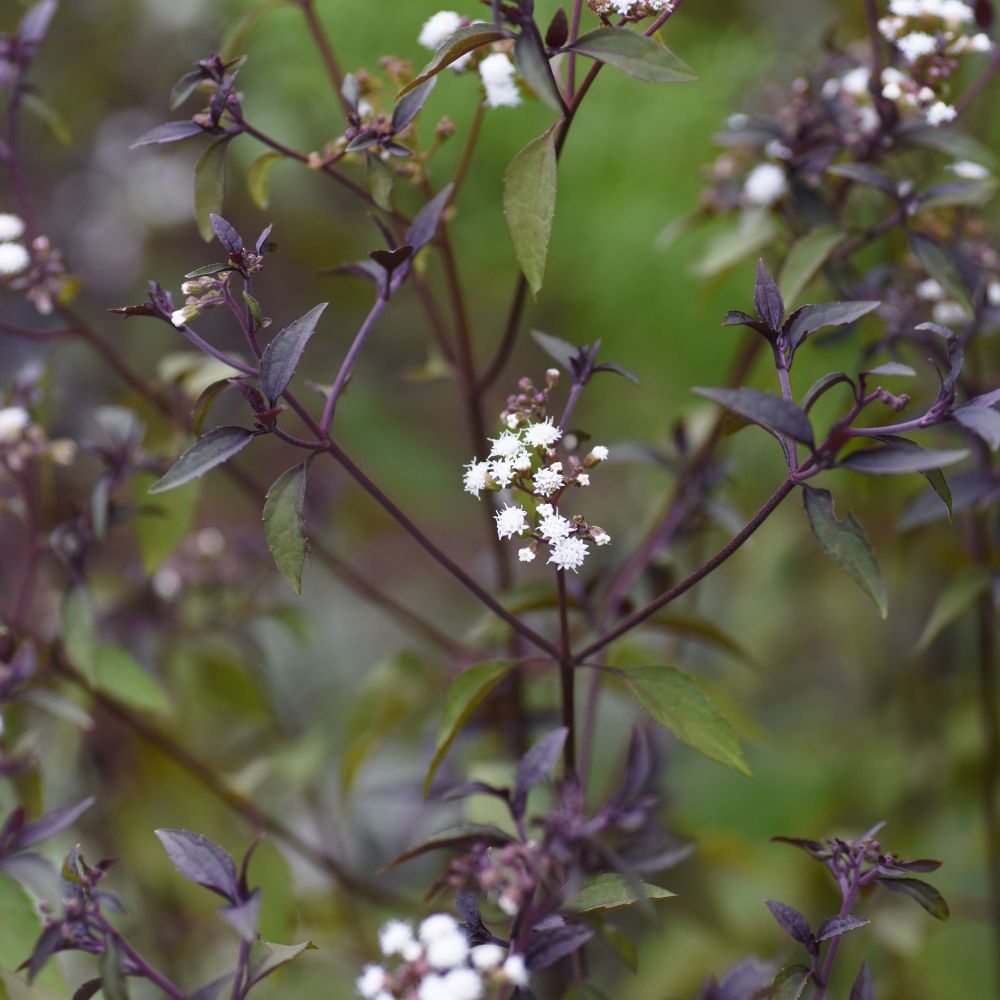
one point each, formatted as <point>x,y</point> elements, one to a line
<point>474,480</point>
<point>512,420</point>
<point>856,81</point>
<point>968,170</point>
<point>993,293</point>
<point>949,313</point>
<point>167,583</point>
<point>506,446</point>
<point>778,150</point>
<point>369,984</point>
<point>569,553</point>
<point>930,290</point>
<point>765,184</point>
<point>916,44</point>
<point>487,956</point>
<point>463,984</point>
<point>890,27</point>
<point>497,72</point>
<point>599,453</point>
<point>11,227</point>
<point>600,536</point>
<point>395,937</point>
<point>907,8</point>
<point>939,113</point>
<point>448,951</point>
<point>437,925</point>
<point>954,12</point>
<point>13,259</point>
<point>553,525</point>
<point>503,473</point>
<point>512,520</point>
<point>542,435</point>
<point>516,971</point>
<point>439,28</point>
<point>547,481</point>
<point>526,555</point>
<point>582,479</point>
<point>893,83</point>
<point>13,421</point>
<point>184,315</point>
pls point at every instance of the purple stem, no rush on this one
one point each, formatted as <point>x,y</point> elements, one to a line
<point>145,969</point>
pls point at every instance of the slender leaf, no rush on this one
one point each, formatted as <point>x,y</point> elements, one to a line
<point>529,204</point>
<point>546,947</point>
<point>118,674</point>
<point>285,524</point>
<point>676,702</point>
<point>634,54</point>
<point>536,765</point>
<point>983,421</point>
<point>57,125</point>
<point>953,143</point>
<point>846,543</point>
<point>940,263</point>
<point>609,891</point>
<point>790,983</point>
<point>922,892</point>
<point>893,461</point>
<point>210,185</point>
<point>864,985</point>
<point>533,64</point>
<point>113,984</point>
<point>49,825</point>
<point>738,238</point>
<point>168,132</point>
<point>266,957</point>
<point>257,177</point>
<point>791,921</point>
<point>809,319</point>
<point>804,259</point>
<point>767,298</point>
<point>79,635</point>
<point>213,449</point>
<point>408,106</point>
<point>462,836</point>
<point>770,411</point>
<point>867,175</point>
<point>841,924</point>
<point>281,357</point>
<point>426,221</point>
<point>201,861</point>
<point>957,598</point>
<point>561,351</point>
<point>464,40</point>
<point>821,385</point>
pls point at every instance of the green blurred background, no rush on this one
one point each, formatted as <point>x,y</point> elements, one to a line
<point>844,725</point>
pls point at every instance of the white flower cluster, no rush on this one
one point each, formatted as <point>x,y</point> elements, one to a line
<point>765,184</point>
<point>928,35</point>
<point>496,70</point>
<point>947,311</point>
<point>633,8</point>
<point>438,964</point>
<point>202,293</point>
<point>523,458</point>
<point>13,421</point>
<point>14,258</point>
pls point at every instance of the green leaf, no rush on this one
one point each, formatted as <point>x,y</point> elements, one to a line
<point>465,695</point>
<point>281,357</point>
<point>676,702</point>
<point>80,632</point>
<point>949,141</point>
<point>257,177</point>
<point>634,54</point>
<point>285,524</point>
<point>529,205</point>
<point>20,923</point>
<point>266,958</point>
<point>210,186</point>
<point>213,449</point>
<point>533,64</point>
<point>846,543</point>
<point>235,39</point>
<point>958,193</point>
<point>49,117</point>
<point>199,413</point>
<point>380,181</point>
<point>923,892</point>
<point>737,239</point>
<point>161,525</point>
<point>609,891</point>
<point>464,40</point>
<point>113,985</point>
<point>893,461</point>
<point>118,674</point>
<point>937,260</point>
<point>790,983</point>
<point>957,598</point>
<point>805,257</point>
<point>770,411</point>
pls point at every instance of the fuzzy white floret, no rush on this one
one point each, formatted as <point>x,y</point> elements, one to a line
<point>548,480</point>
<point>395,936</point>
<point>916,44</point>
<point>569,553</point>
<point>13,259</point>
<point>13,421</point>
<point>487,956</point>
<point>512,520</point>
<point>516,971</point>
<point>526,555</point>
<point>474,478</point>
<point>497,72</point>
<point>765,184</point>
<point>11,227</point>
<point>939,113</point>
<point>542,435</point>
<point>369,984</point>
<point>439,28</point>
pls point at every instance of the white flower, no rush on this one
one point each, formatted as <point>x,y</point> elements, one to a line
<point>11,227</point>
<point>369,983</point>
<point>582,479</point>
<point>979,43</point>
<point>487,956</point>
<point>993,293</point>
<point>167,583</point>
<point>474,480</point>
<point>507,446</point>
<point>916,44</point>
<point>439,28</point>
<point>777,149</point>
<point>765,184</point>
<point>553,525</point>
<point>13,259</point>
<point>503,473</point>
<point>890,27</point>
<point>510,521</point>
<point>868,119</point>
<point>855,81</point>
<point>497,72</point>
<point>547,481</point>
<point>512,420</point>
<point>954,12</point>
<point>968,170</point>
<point>939,112</point>
<point>437,925</point>
<point>526,555</point>
<point>432,987</point>
<point>949,313</point>
<point>523,462</point>
<point>930,290</point>
<point>516,971</point>
<point>569,553</point>
<point>463,984</point>
<point>600,536</point>
<point>598,453</point>
<point>395,937</point>
<point>13,420</point>
<point>447,951</point>
<point>183,316</point>
<point>542,435</point>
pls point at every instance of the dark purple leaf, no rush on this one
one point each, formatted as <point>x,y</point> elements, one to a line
<point>184,88</point>
<point>262,239</point>
<point>474,788</point>
<point>363,140</point>
<point>767,298</point>
<point>926,895</point>
<point>221,97</point>
<point>226,234</point>
<point>536,765</point>
<point>464,40</point>
<point>558,30</point>
<point>351,91</point>
<point>835,926</point>
<point>201,861</point>
<point>791,922</point>
<point>746,980</point>
<point>45,947</point>
<point>942,264</point>
<point>462,836</point>
<point>533,63</point>
<point>391,259</point>
<point>809,319</point>
<point>864,987</point>
<point>546,947</point>
<point>50,824</point>
<point>821,385</point>
<point>764,408</point>
<point>282,355</point>
<point>425,222</point>
<point>211,990</point>
<point>869,176</point>
<point>87,990</point>
<point>917,865</point>
<point>142,309</point>
<point>736,317</point>
<point>608,366</point>
<point>170,132</point>
<point>982,421</point>
<point>819,851</point>
<point>212,449</point>
<point>409,105</point>
<point>561,351</point>
<point>244,917</point>
<point>35,23</point>
<point>894,461</point>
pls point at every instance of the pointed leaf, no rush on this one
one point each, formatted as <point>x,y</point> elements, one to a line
<point>281,357</point>
<point>983,421</point>
<point>226,234</point>
<point>201,861</point>
<point>244,916</point>
<point>546,947</point>
<point>821,385</point>
<point>426,221</point>
<point>867,175</point>
<point>529,205</point>
<point>770,411</point>
<point>846,543</point>
<point>609,891</point>
<point>804,259</point>
<point>791,921</point>
<point>536,765</point>
<point>464,40</point>
<point>80,631</point>
<point>940,263</point>
<point>126,681</point>
<point>892,368</point>
<point>533,64</point>
<point>213,449</point>
<point>210,185</point>
<point>169,132</point>
<point>676,702</point>
<point>767,299</point>
<point>257,174</point>
<point>958,597</point>
<point>266,958</point>
<point>925,894</point>
<point>49,825</point>
<point>113,984</point>
<point>561,351</point>
<point>634,54</point>
<point>835,926</point>
<point>893,461</point>
<point>809,319</point>
<point>790,983</point>
<point>409,105</point>
<point>864,985</point>
<point>285,524</point>
<point>465,695</point>
<point>462,836</point>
